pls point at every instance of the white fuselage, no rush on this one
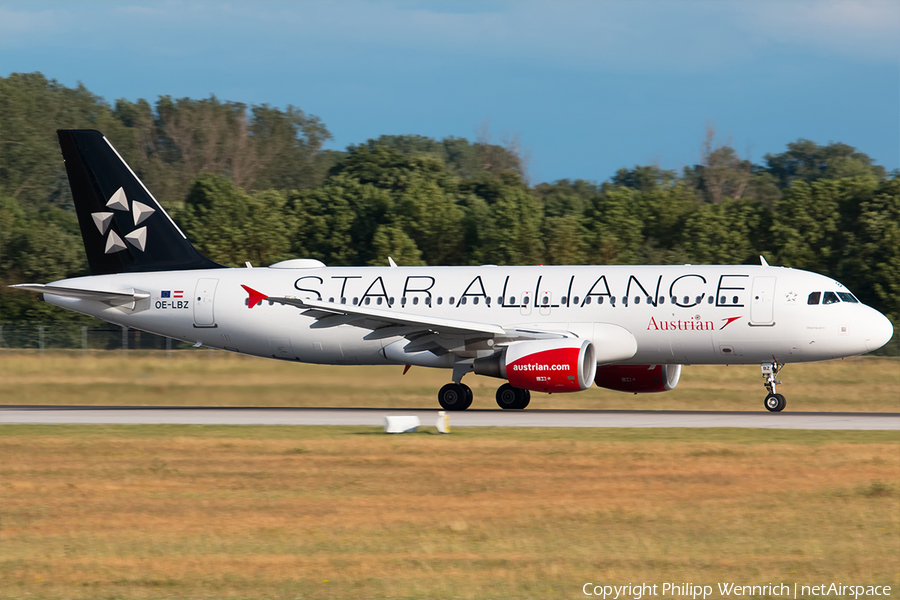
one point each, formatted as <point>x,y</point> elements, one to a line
<point>677,314</point>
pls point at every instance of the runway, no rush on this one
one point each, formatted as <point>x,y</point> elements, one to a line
<point>122,415</point>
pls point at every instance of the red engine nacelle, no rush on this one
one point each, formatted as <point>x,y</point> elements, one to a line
<point>638,379</point>
<point>554,366</point>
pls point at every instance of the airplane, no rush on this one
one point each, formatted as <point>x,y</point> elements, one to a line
<point>552,329</point>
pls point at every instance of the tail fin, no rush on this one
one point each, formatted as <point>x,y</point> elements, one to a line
<point>123,227</point>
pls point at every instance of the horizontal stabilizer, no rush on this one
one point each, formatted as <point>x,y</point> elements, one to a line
<point>100,295</point>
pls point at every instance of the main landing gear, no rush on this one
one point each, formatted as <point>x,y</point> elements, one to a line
<point>458,396</point>
<point>774,402</point>
<point>512,397</point>
<point>455,396</point>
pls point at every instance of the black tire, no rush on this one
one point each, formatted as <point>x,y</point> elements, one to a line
<point>509,397</point>
<point>453,396</point>
<point>775,403</point>
<point>781,403</point>
<point>526,398</point>
<point>469,395</point>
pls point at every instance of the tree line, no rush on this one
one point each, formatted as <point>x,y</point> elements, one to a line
<point>255,183</point>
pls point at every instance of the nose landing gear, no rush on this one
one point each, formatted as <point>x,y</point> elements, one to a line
<point>774,402</point>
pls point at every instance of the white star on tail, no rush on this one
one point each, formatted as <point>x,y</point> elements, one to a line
<point>102,220</point>
<point>138,238</point>
<point>118,200</point>
<point>114,243</point>
<point>140,211</point>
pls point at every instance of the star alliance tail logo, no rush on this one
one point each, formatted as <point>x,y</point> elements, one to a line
<point>140,213</point>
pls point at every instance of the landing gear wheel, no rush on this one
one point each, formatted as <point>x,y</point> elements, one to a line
<point>455,396</point>
<point>509,397</point>
<point>775,403</point>
<point>469,395</point>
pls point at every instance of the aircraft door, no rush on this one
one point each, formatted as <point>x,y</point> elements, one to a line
<point>204,296</point>
<point>762,303</point>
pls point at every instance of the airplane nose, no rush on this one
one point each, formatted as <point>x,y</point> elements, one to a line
<point>879,332</point>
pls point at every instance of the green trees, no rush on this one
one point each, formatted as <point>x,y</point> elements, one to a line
<point>253,183</point>
<point>231,226</point>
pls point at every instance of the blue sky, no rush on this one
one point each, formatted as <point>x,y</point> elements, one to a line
<point>587,87</point>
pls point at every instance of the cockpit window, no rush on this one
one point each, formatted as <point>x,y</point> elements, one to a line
<point>847,297</point>
<point>830,298</point>
<point>814,298</point>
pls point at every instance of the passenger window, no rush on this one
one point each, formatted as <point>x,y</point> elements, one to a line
<point>355,301</point>
<point>368,300</point>
<point>525,300</point>
<point>847,297</point>
<point>379,301</point>
<point>814,298</point>
<point>710,300</point>
<point>662,300</point>
<point>428,301</point>
<point>600,300</point>
<point>475,300</point>
<point>512,299</point>
<point>451,299</point>
<point>587,300</point>
<point>463,300</point>
<point>546,300</point>
<point>575,300</point>
<point>416,300</point>
<point>440,300</point>
<point>734,299</point>
<point>830,298</point>
<point>686,300</point>
<point>563,300</point>
<point>637,299</point>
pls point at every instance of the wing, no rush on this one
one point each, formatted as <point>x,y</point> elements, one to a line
<point>426,333</point>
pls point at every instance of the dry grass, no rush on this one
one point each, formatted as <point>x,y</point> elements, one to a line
<point>289,512</point>
<point>206,377</point>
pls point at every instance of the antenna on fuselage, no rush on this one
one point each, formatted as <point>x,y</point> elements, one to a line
<point>762,261</point>
<point>391,262</point>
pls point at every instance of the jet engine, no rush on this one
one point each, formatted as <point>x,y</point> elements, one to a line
<point>638,379</point>
<point>566,365</point>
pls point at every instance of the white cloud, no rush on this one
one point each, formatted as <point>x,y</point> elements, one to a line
<point>24,24</point>
<point>859,29</point>
<point>638,36</point>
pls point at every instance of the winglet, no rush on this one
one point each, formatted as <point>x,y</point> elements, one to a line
<point>255,297</point>
<point>762,261</point>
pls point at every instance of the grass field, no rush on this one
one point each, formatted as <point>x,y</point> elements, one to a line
<point>206,377</point>
<point>325,512</point>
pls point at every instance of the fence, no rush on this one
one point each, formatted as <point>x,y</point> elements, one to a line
<point>56,335</point>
